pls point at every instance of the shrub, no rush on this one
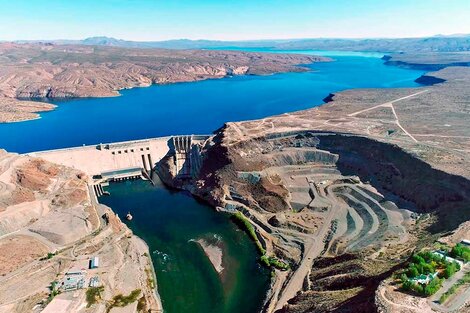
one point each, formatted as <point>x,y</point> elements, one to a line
<point>433,286</point>
<point>460,251</point>
<point>243,222</point>
<point>93,294</point>
<point>450,269</point>
<point>413,271</point>
<point>121,300</point>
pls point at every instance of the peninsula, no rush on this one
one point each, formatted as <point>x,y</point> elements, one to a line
<point>47,71</point>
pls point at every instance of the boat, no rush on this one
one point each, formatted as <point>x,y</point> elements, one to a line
<point>129,216</point>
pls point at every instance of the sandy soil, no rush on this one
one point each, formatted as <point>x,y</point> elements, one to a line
<point>214,253</point>
<point>66,219</point>
<point>18,251</point>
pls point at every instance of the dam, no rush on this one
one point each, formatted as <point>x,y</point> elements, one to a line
<point>172,222</point>
<point>118,161</point>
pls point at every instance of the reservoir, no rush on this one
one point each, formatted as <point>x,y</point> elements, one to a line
<point>198,107</point>
<point>173,223</point>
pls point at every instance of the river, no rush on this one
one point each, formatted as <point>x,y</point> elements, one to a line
<point>171,222</point>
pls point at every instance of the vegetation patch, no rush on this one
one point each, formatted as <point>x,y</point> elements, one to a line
<point>142,305</point>
<point>93,294</point>
<point>122,301</point>
<point>268,261</point>
<point>426,273</point>
<point>53,291</point>
<point>49,256</point>
<point>245,224</point>
<point>460,251</point>
<point>150,280</point>
<point>462,281</point>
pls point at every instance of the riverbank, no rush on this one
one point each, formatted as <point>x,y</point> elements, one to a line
<point>52,225</point>
<point>75,71</point>
<point>172,223</point>
<point>269,168</point>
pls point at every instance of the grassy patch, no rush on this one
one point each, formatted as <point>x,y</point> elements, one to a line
<point>93,294</point>
<point>53,291</point>
<point>464,280</point>
<point>150,281</point>
<point>142,304</point>
<point>245,224</point>
<point>461,252</point>
<point>49,256</point>
<point>268,261</point>
<point>274,262</point>
<point>122,301</point>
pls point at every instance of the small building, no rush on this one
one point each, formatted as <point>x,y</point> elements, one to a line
<point>94,262</point>
<point>423,279</point>
<point>448,258</point>
<point>465,242</point>
<point>73,281</point>
<point>94,281</point>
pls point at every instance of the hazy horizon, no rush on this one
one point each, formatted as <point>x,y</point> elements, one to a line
<point>244,40</point>
<point>243,20</point>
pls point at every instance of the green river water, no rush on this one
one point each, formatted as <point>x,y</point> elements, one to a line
<point>170,222</point>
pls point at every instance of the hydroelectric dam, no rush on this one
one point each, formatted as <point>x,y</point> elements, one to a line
<point>129,159</point>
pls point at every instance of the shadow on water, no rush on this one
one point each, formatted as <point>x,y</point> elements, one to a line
<point>170,222</point>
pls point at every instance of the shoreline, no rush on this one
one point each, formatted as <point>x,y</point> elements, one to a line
<point>278,282</point>
<point>300,67</point>
<point>158,299</point>
<point>273,282</point>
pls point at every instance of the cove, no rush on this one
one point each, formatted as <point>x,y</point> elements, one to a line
<point>171,222</point>
<point>199,107</point>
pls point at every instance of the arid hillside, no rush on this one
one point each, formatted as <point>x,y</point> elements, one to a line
<point>344,193</point>
<point>50,225</point>
<point>50,71</point>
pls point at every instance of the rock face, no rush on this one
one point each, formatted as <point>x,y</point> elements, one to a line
<point>49,225</point>
<point>49,71</point>
<point>341,187</point>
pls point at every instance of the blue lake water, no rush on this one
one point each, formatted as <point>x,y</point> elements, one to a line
<point>171,221</point>
<point>200,107</point>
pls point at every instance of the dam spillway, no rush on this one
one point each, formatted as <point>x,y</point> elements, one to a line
<point>122,160</point>
<point>172,223</point>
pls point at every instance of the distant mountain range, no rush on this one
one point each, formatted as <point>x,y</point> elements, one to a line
<point>439,43</point>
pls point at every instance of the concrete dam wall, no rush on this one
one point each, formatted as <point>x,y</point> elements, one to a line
<point>116,160</point>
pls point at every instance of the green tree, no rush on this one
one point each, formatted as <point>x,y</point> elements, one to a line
<point>407,285</point>
<point>403,278</point>
<point>413,271</point>
<point>432,287</point>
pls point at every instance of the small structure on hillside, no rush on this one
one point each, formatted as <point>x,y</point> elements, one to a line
<point>94,281</point>
<point>73,281</point>
<point>465,242</point>
<point>423,279</point>
<point>94,262</point>
<point>448,258</point>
